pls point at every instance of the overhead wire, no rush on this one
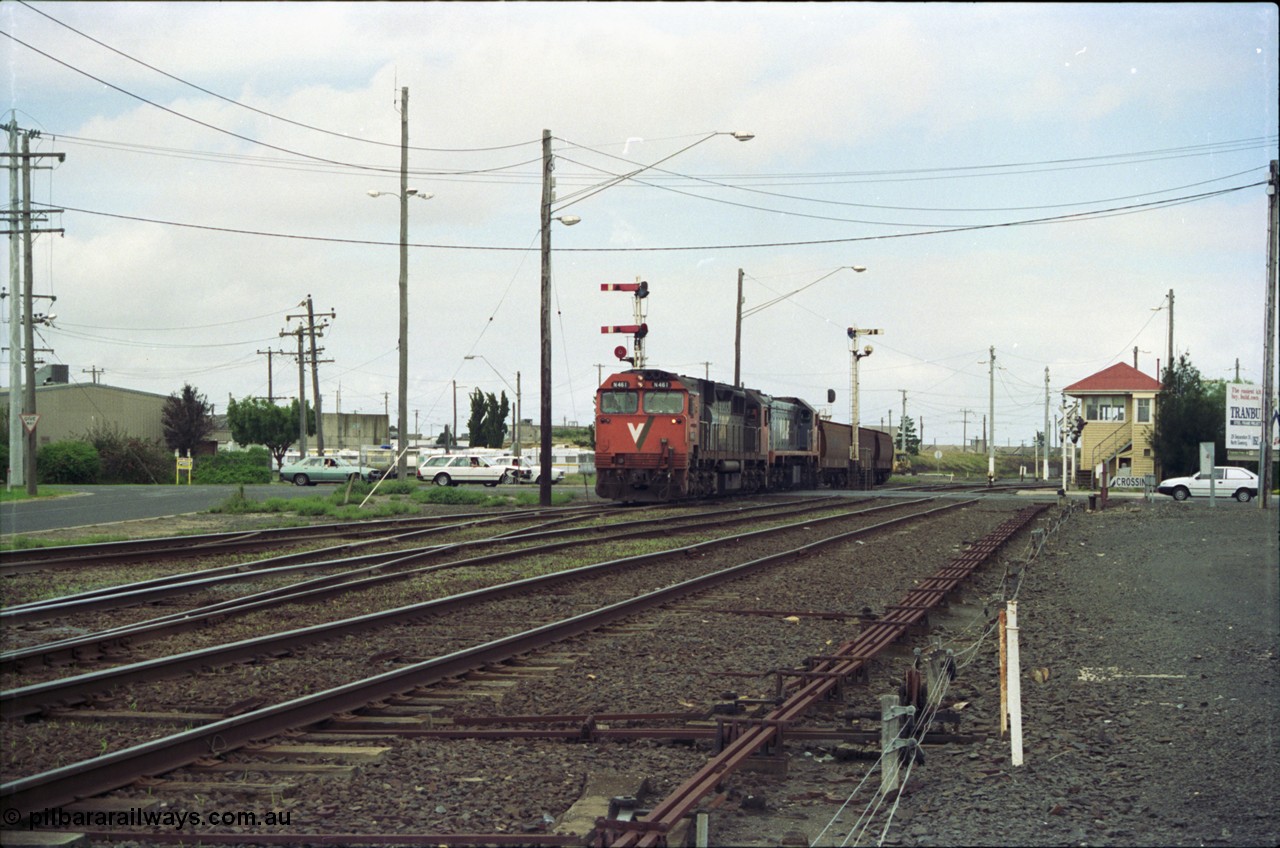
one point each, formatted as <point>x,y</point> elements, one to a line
<point>1059,219</point>
<point>264,113</point>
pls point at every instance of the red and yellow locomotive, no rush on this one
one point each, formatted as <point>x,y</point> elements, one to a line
<point>666,437</point>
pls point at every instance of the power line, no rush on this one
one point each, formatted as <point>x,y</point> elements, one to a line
<point>1056,219</point>
<point>262,112</point>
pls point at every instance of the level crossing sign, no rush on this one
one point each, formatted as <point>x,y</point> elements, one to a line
<point>29,420</point>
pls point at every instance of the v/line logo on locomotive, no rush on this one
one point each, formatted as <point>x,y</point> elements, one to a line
<point>662,436</point>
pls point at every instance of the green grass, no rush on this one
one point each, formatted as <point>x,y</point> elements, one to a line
<point>20,494</point>
<point>23,543</point>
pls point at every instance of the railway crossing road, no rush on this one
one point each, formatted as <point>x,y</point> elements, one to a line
<point>84,505</point>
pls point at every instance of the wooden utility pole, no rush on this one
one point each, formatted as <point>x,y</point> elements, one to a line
<point>312,330</point>
<point>271,398</point>
<point>1265,481</point>
<point>22,452</point>
<point>544,458</point>
<point>737,342</point>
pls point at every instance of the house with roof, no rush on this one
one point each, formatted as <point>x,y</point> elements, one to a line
<point>1118,405</point>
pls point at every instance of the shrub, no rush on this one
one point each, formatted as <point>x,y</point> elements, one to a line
<point>129,459</point>
<point>67,462</point>
<point>251,465</point>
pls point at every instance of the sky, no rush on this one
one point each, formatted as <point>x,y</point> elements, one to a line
<point>1032,180</point>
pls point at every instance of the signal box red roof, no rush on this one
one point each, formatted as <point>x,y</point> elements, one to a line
<point>1117,378</point>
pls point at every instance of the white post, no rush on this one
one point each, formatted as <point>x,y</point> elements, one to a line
<point>1015,684</point>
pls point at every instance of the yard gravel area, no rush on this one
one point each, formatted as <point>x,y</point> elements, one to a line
<point>1149,637</point>
<point>1158,723</point>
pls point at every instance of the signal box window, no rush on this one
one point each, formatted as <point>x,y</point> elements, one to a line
<point>619,403</point>
<point>664,403</point>
<point>1104,408</point>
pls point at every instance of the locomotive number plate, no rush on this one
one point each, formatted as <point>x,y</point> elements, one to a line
<point>660,384</point>
<point>619,384</point>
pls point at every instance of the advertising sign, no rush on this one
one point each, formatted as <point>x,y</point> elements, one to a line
<point>1244,417</point>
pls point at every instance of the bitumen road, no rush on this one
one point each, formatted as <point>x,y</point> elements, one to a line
<point>85,505</point>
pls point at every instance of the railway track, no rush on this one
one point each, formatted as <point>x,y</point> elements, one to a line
<point>160,755</point>
<point>363,572</point>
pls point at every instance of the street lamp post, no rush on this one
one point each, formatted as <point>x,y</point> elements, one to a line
<point>548,197</point>
<point>737,339</point>
<point>515,431</point>
<point>855,454</point>
<point>402,384</point>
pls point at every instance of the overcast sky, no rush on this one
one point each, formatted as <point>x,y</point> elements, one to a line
<point>1029,178</point>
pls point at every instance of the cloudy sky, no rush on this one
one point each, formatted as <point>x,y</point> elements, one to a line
<point>1029,178</point>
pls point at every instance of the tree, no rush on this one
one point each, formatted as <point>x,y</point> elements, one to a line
<point>255,421</point>
<point>187,420</point>
<point>908,427</point>
<point>1189,411</point>
<point>488,421</point>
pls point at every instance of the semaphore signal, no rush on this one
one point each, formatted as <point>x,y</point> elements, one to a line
<point>639,329</point>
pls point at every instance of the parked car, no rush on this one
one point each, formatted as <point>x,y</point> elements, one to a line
<point>1228,481</point>
<point>527,469</point>
<point>450,470</point>
<point>325,469</point>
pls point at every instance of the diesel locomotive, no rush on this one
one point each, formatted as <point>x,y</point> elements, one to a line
<point>666,437</point>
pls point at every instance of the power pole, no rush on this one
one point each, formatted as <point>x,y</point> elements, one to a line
<point>1268,344</point>
<point>1170,361</point>
<point>991,433</point>
<point>902,424</point>
<point>964,432</point>
<point>737,344</point>
<point>1046,420</point>
<point>302,393</point>
<point>22,404</point>
<point>402,377</point>
<point>93,371</point>
<point>544,458</point>
<point>271,398</point>
<point>312,329</point>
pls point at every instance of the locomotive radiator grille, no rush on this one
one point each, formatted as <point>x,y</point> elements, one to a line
<point>649,460</point>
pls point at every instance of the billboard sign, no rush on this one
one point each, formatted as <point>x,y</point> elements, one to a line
<point>1244,417</point>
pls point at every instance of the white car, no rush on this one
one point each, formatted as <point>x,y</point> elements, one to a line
<point>452,469</point>
<point>1228,481</point>
<point>527,470</point>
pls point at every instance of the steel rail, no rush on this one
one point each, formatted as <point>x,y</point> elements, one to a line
<point>161,587</point>
<point>24,561</point>
<point>30,700</point>
<point>754,734</point>
<point>110,771</point>
<point>96,644</point>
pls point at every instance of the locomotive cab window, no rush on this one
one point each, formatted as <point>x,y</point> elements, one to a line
<point>619,403</point>
<point>664,403</point>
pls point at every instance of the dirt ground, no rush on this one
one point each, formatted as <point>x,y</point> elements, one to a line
<point>1158,723</point>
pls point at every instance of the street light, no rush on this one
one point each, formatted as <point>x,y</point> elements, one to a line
<point>855,455</point>
<point>737,339</point>
<point>402,387</point>
<point>515,431</point>
<point>548,197</point>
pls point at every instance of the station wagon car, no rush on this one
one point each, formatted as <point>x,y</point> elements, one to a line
<point>450,470</point>
<point>524,469</point>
